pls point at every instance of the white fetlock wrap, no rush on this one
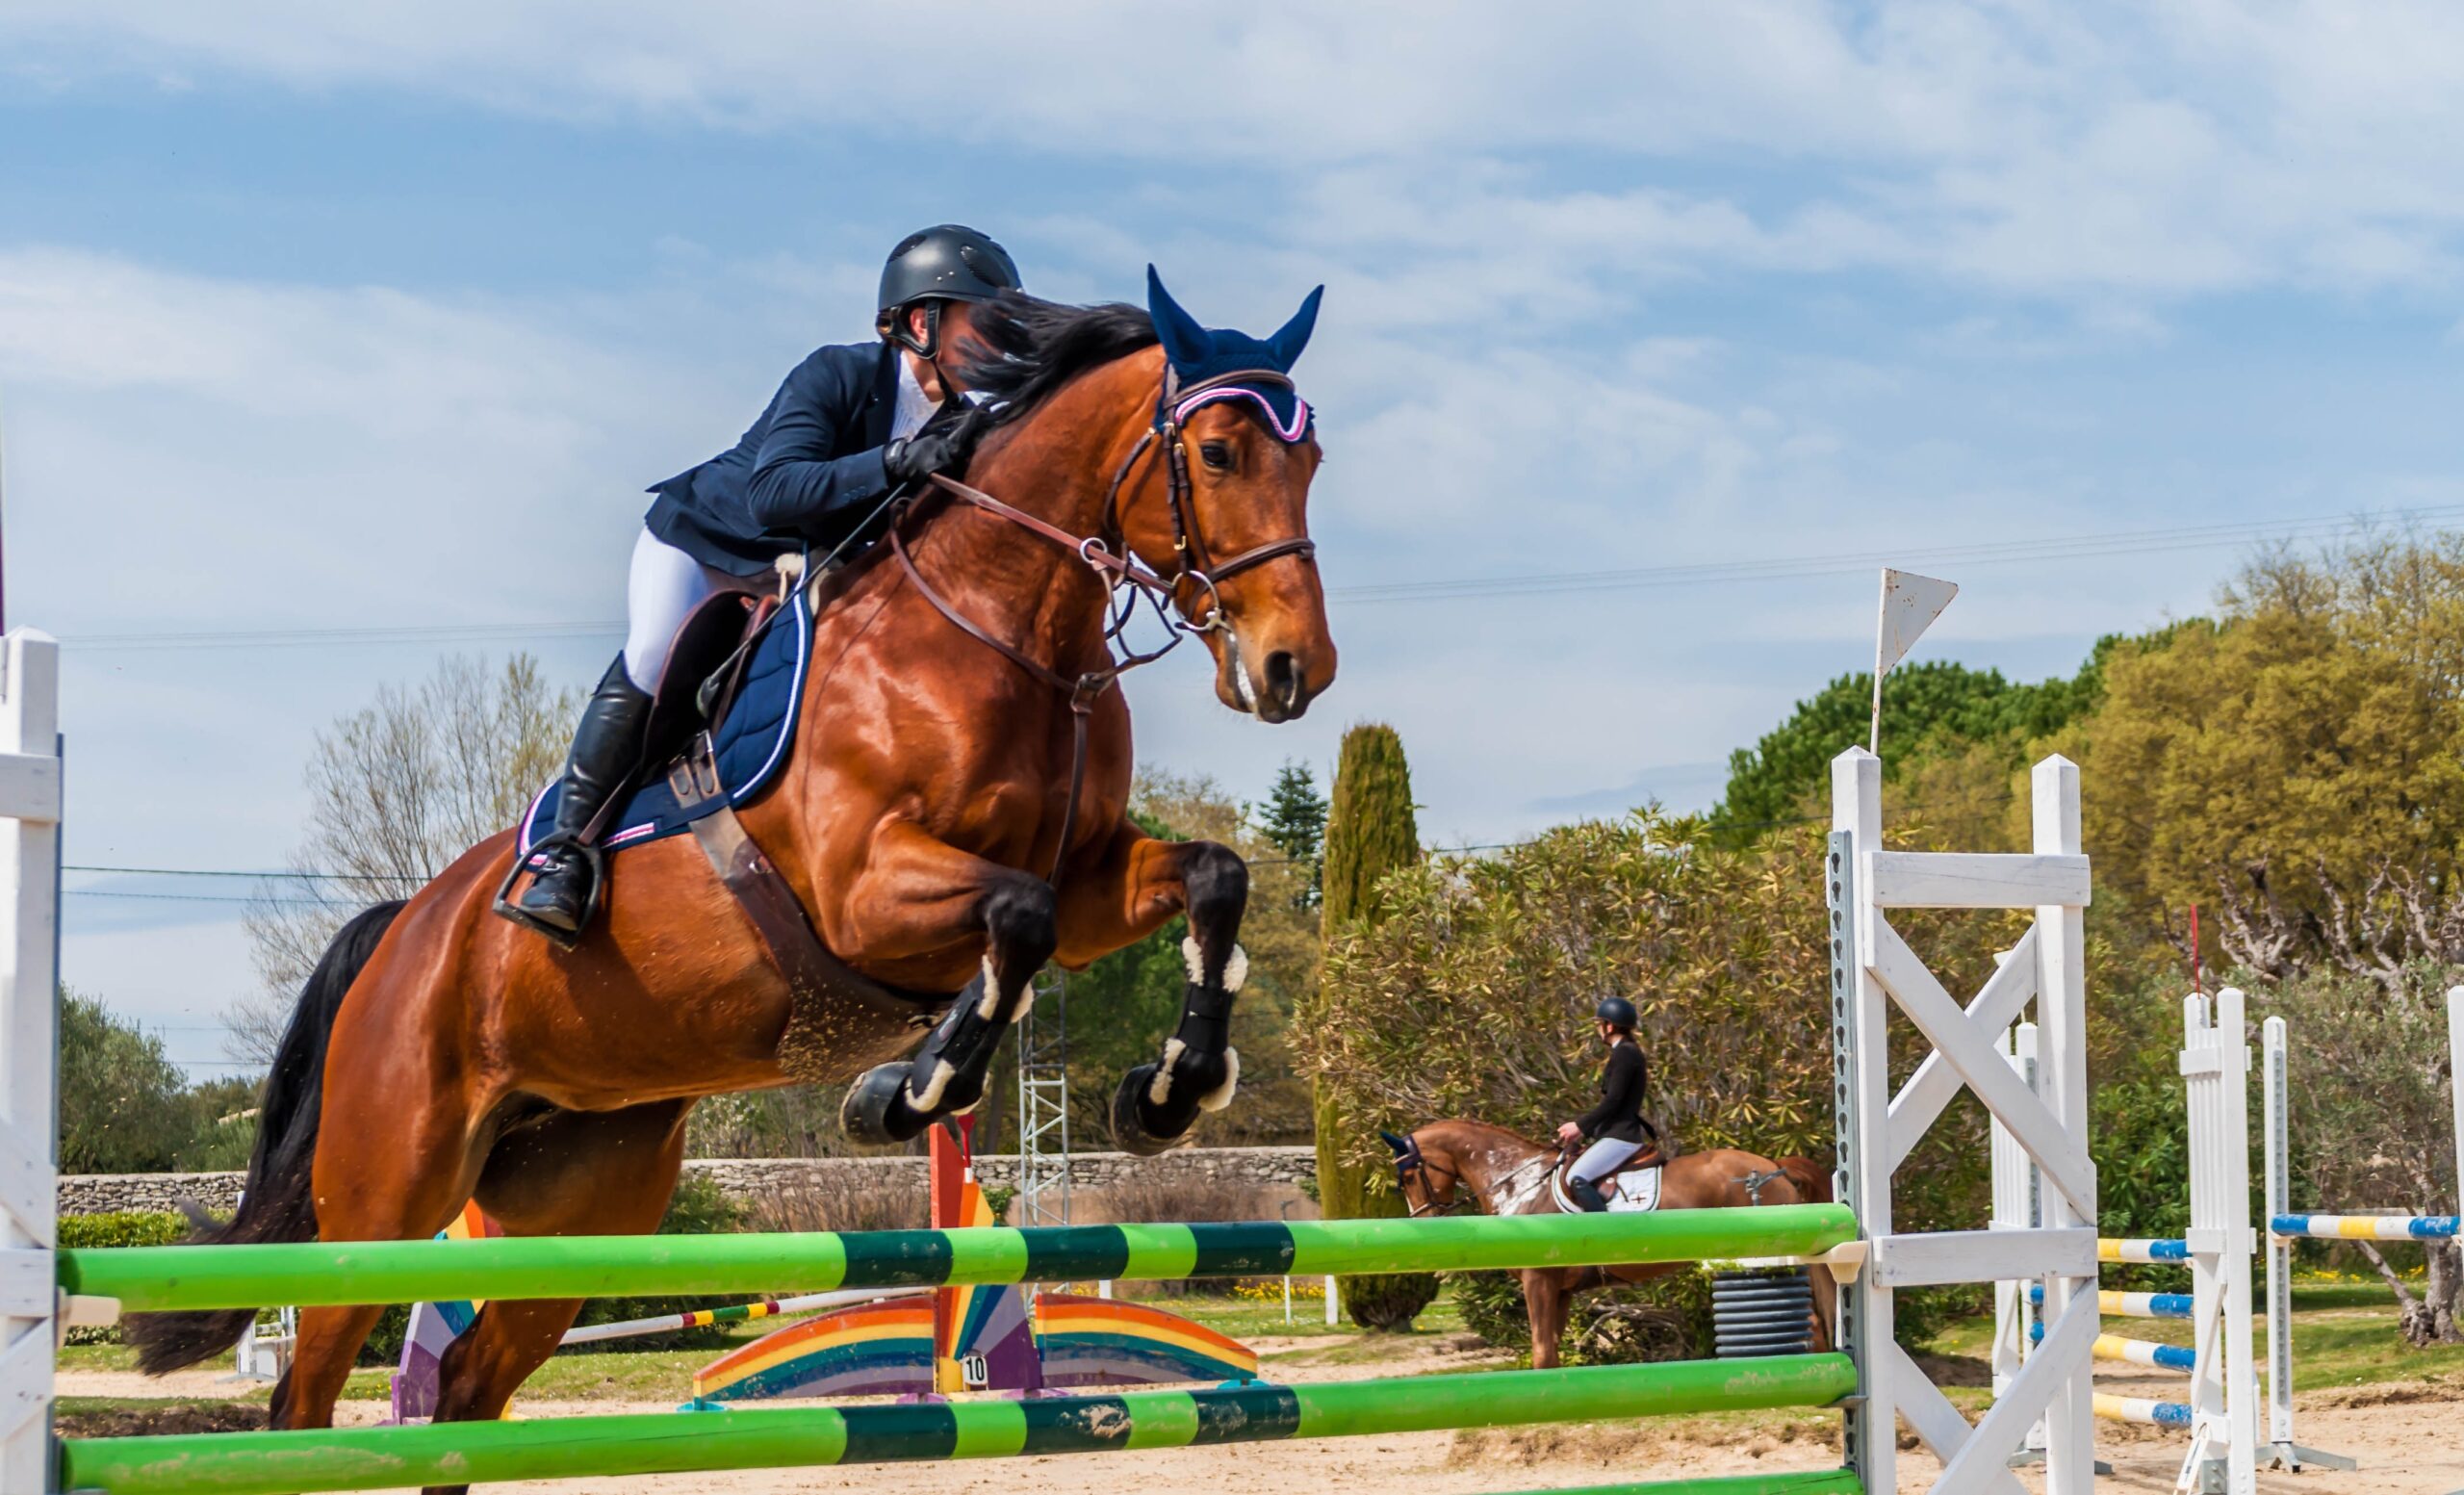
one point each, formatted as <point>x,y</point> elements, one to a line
<point>1160,1089</point>
<point>943,1071</point>
<point>990,1001</point>
<point>1236,971</point>
<point>1220,1095</point>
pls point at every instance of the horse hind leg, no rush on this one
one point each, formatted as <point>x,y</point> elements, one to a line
<point>895,1101</point>
<point>379,1176</point>
<point>569,1172</point>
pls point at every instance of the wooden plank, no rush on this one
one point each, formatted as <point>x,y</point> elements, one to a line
<point>1982,1066</point>
<point>2061,1082</point>
<point>1919,1103</point>
<point>1935,1420</point>
<point>28,1192</point>
<point>29,788</point>
<point>2066,1350</point>
<point>29,998</point>
<point>1944,1256</point>
<point>29,1284</point>
<point>1974,880</point>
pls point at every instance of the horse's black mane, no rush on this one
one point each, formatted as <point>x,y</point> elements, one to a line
<point>1032,347</point>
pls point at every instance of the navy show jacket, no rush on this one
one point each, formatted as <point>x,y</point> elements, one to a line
<point>806,473</point>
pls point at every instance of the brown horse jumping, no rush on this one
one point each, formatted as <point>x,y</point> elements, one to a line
<point>441,1053</point>
<point>1458,1164</point>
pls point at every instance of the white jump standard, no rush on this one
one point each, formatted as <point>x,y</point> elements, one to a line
<point>2284,1227</point>
<point>2219,1408</point>
<point>1873,970</point>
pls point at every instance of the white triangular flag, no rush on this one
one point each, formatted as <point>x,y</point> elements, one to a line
<point>1911,604</point>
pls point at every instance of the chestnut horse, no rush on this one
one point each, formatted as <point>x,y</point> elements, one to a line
<point>441,1053</point>
<point>1458,1164</point>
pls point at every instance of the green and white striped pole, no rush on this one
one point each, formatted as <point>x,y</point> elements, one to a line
<point>361,1459</point>
<point>156,1278</point>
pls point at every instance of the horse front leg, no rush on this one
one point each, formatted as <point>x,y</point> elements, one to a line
<point>916,895</point>
<point>1138,883</point>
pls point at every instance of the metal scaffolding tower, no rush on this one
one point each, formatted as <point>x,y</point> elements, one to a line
<point>1043,1104</point>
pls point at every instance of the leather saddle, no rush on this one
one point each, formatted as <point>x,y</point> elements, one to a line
<point>1631,1180</point>
<point>707,666</point>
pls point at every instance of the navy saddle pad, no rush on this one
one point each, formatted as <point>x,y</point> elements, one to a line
<point>750,747</point>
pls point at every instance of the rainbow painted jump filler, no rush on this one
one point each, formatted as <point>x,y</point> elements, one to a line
<point>1876,1384</point>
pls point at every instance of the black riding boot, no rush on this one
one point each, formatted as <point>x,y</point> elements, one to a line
<point>606,749</point>
<point>1587,1194</point>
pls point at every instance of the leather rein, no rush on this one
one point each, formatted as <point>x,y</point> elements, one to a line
<point>1107,554</point>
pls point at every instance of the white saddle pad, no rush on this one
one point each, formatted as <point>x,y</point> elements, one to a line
<point>1633,1191</point>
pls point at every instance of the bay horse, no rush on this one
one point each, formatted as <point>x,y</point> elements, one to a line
<point>950,819</point>
<point>1456,1163</point>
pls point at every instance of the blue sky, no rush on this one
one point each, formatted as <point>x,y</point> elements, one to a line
<point>319,316</point>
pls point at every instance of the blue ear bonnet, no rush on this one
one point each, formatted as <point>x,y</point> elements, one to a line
<point>1198,355</point>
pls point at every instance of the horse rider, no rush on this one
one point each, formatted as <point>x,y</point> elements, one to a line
<point>852,425</point>
<point>1615,1128</point>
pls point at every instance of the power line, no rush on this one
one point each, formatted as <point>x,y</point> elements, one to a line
<point>2069,547</point>
<point>207,897</point>
<point>293,876</point>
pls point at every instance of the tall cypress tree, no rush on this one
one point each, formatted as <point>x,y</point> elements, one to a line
<point>1370,832</point>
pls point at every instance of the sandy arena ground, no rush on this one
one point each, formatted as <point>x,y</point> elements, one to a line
<point>2406,1435</point>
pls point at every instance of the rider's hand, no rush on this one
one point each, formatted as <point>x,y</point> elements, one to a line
<point>1569,1132</point>
<point>939,447</point>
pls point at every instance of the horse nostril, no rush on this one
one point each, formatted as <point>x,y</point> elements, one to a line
<point>1284,683</point>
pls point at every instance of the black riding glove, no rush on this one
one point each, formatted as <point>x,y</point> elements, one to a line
<point>939,447</point>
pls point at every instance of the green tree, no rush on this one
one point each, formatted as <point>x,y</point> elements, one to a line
<point>1370,828</point>
<point>2292,766</point>
<point>396,792</point>
<point>124,1107</point>
<point>1370,833</point>
<point>1294,819</point>
<point>1931,710</point>
<point>2372,1125</point>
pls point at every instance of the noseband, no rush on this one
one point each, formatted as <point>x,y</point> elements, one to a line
<point>1107,554</point>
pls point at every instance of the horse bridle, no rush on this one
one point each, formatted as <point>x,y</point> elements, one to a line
<point>1107,554</point>
<point>1411,1163</point>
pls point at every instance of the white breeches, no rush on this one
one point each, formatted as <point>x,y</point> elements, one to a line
<point>1601,1157</point>
<point>660,592</point>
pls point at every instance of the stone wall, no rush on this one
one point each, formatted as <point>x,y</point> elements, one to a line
<point>1277,1172</point>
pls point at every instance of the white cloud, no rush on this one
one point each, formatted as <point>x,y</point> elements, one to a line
<point>2034,147</point>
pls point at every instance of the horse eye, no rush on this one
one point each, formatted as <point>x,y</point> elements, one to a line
<point>1216,454</point>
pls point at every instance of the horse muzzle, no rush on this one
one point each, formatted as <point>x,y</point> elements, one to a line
<point>1273,684</point>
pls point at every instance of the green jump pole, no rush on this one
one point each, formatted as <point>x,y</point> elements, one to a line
<point>154,1278</point>
<point>1803,1482</point>
<point>577,1447</point>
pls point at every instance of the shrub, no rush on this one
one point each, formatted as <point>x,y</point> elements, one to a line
<point>840,1201</point>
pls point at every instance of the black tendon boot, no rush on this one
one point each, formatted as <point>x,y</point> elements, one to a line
<point>1587,1194</point>
<point>606,749</point>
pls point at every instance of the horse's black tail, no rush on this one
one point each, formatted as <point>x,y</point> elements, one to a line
<point>279,1203</point>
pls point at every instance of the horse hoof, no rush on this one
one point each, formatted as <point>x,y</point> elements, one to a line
<point>876,1112</point>
<point>1132,1130</point>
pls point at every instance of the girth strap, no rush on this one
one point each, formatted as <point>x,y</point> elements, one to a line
<point>816,979</point>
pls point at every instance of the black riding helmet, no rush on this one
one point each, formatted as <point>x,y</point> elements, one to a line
<point>946,263</point>
<point>1616,1012</point>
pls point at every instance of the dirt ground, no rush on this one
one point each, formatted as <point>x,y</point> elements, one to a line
<point>2406,1435</point>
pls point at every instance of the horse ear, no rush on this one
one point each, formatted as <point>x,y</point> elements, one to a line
<point>1185,341</point>
<point>1402,1145</point>
<point>1285,346</point>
